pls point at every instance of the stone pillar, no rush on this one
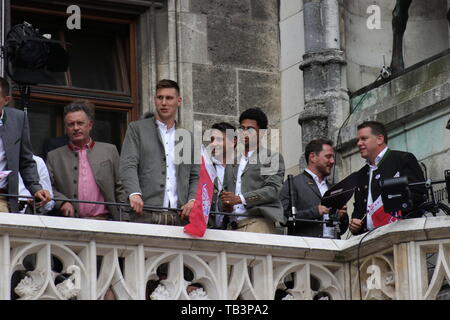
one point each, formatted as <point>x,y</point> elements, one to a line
<point>4,28</point>
<point>323,73</point>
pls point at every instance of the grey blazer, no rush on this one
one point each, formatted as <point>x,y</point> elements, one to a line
<point>307,198</point>
<point>143,164</point>
<point>15,134</point>
<point>261,184</point>
<point>62,166</point>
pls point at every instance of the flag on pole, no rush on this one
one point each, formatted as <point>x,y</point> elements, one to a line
<point>198,218</point>
<point>379,216</point>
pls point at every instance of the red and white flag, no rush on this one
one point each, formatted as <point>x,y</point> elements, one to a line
<point>198,218</point>
<point>379,216</point>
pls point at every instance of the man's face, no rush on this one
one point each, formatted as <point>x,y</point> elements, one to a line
<point>369,145</point>
<point>221,145</point>
<point>78,127</point>
<point>166,102</point>
<point>324,161</point>
<point>249,133</point>
<point>4,100</point>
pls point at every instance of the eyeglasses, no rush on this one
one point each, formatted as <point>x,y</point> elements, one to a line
<point>248,129</point>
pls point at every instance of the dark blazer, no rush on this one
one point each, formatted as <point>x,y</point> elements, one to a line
<point>15,134</point>
<point>261,184</point>
<point>393,162</point>
<point>143,164</point>
<point>216,205</point>
<point>307,197</point>
<point>62,166</point>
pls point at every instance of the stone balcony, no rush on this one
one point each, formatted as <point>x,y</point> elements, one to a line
<point>405,260</point>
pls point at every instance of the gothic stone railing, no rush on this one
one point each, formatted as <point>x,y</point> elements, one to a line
<point>64,254</point>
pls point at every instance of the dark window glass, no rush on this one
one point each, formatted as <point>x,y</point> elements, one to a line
<point>43,118</point>
<point>98,59</point>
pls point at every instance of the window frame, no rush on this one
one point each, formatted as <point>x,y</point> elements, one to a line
<point>106,100</point>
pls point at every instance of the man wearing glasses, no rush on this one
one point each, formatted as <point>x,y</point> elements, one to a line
<point>252,184</point>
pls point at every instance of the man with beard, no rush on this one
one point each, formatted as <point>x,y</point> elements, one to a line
<point>253,183</point>
<point>309,187</point>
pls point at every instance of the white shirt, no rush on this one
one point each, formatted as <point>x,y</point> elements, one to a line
<point>168,139</point>
<point>3,164</point>
<point>328,232</point>
<point>372,168</point>
<point>44,180</point>
<point>322,185</point>
<point>240,208</point>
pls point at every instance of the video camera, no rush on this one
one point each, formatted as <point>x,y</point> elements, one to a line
<point>396,194</point>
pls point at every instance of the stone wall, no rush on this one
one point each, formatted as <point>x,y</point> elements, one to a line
<point>426,35</point>
<point>292,102</point>
<point>415,108</point>
<point>228,60</point>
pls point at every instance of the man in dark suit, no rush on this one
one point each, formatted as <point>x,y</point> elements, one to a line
<point>382,163</point>
<point>308,189</point>
<point>152,170</point>
<point>253,183</point>
<point>16,155</point>
<point>85,169</point>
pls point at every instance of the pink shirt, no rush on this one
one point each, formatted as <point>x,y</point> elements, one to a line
<point>87,186</point>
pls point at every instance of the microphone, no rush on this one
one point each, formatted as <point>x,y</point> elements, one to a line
<point>291,198</point>
<point>447,182</point>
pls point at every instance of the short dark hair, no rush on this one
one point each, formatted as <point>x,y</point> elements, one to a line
<point>316,146</point>
<point>223,126</point>
<point>255,114</point>
<point>4,85</point>
<point>376,127</point>
<point>166,83</point>
<point>81,105</point>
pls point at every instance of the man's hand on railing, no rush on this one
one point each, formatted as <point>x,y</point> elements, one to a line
<point>44,197</point>
<point>67,209</point>
<point>136,203</point>
<point>186,209</point>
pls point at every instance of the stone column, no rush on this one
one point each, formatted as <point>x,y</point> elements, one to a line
<point>4,28</point>
<point>323,73</point>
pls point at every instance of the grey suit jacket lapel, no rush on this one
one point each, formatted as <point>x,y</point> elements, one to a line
<point>312,184</point>
<point>5,133</point>
<point>158,133</point>
<point>251,160</point>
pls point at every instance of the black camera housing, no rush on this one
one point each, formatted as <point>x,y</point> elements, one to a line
<point>396,194</point>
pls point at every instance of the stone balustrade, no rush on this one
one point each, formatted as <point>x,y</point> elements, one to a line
<point>69,258</point>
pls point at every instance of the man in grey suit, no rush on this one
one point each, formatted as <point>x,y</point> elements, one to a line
<point>253,184</point>
<point>155,171</point>
<point>309,188</point>
<point>16,155</point>
<point>85,169</point>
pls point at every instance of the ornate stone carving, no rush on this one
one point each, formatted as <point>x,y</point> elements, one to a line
<point>70,287</point>
<point>377,278</point>
<point>29,287</point>
<point>160,293</point>
<point>198,294</point>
